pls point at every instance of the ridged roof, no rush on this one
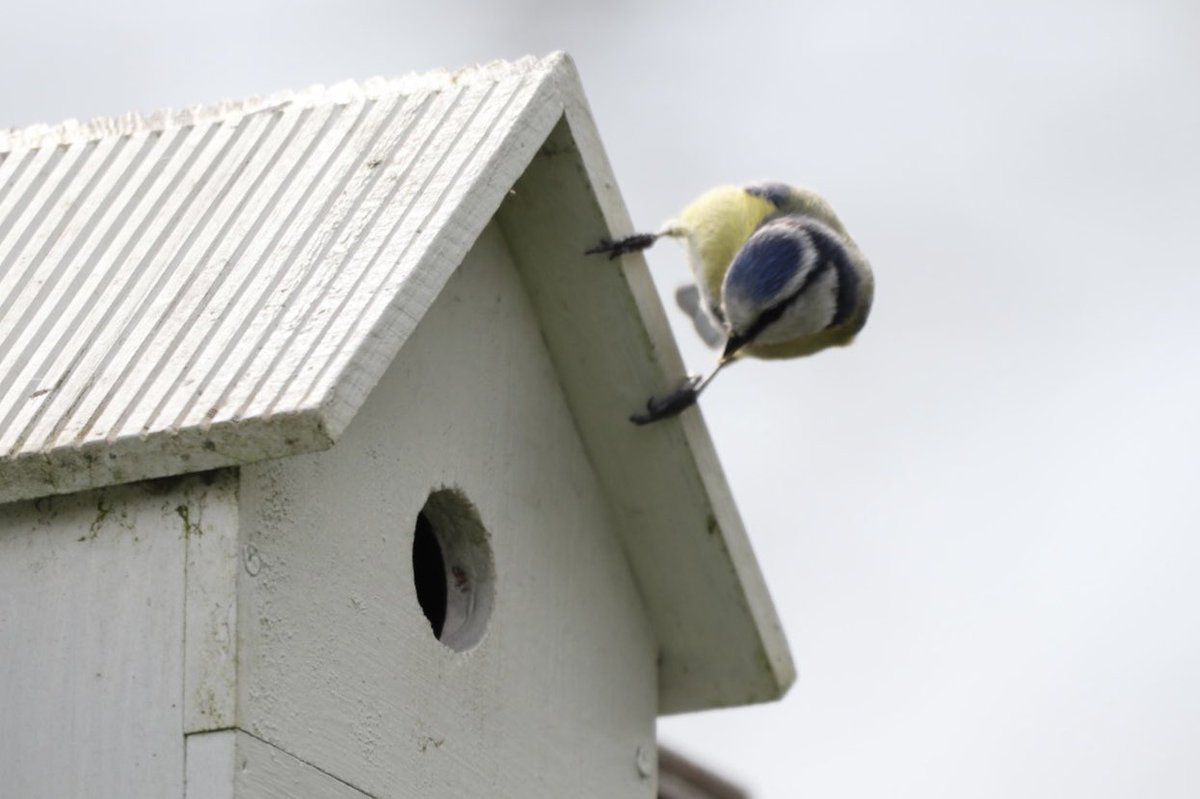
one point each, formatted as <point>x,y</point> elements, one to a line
<point>172,275</point>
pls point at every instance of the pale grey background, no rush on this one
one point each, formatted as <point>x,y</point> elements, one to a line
<point>979,523</point>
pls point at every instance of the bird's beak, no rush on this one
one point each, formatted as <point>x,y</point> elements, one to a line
<point>732,344</point>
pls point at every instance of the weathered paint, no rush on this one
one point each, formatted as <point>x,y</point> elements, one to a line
<point>339,666</point>
<point>211,287</point>
<point>233,765</point>
<point>721,642</point>
<point>92,697</point>
<point>210,524</point>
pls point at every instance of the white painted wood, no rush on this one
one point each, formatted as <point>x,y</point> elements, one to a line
<point>721,641</point>
<point>210,632</point>
<point>91,630</point>
<point>211,765</point>
<point>338,666</point>
<point>214,263</point>
<point>230,764</point>
<point>470,203</point>
<point>239,262</point>
<point>333,170</point>
<point>118,386</point>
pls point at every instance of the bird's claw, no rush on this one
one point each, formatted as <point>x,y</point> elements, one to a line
<point>672,404</point>
<point>605,246</point>
<point>615,248</point>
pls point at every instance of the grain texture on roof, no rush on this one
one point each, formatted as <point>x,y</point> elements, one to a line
<point>188,270</point>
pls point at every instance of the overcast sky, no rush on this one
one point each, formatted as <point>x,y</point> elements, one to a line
<point>979,524</point>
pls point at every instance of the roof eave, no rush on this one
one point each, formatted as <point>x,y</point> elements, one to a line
<point>161,454</point>
<point>720,639</point>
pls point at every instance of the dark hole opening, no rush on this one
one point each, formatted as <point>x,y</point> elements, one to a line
<point>429,574</point>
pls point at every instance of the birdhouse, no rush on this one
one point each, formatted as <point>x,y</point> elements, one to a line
<point>315,461</point>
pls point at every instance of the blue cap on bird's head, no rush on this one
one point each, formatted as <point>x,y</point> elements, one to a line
<point>777,194</point>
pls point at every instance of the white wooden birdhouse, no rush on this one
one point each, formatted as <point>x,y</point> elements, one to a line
<point>316,472</point>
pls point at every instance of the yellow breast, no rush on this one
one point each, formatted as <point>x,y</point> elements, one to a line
<point>717,224</point>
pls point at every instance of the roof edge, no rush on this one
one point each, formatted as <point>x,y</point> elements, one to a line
<point>702,664</point>
<point>102,463</point>
<point>480,197</point>
<point>775,655</point>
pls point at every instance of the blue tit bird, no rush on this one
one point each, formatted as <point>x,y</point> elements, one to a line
<point>776,276</point>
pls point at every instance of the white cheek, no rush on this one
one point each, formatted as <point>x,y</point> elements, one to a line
<point>739,313</point>
<point>808,315</point>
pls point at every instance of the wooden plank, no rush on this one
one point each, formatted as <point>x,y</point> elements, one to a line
<point>721,641</point>
<point>451,221</point>
<point>231,284</point>
<point>91,627</point>
<point>211,765</point>
<point>210,635</point>
<point>339,665</point>
<point>233,765</point>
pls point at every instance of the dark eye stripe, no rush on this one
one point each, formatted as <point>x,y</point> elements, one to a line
<point>831,252</point>
<point>774,312</point>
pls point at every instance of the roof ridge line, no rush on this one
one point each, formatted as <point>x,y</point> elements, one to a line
<point>71,131</point>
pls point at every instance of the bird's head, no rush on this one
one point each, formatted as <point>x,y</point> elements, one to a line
<point>798,284</point>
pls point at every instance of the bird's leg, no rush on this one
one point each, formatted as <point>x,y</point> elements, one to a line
<point>679,400</point>
<point>616,248</point>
